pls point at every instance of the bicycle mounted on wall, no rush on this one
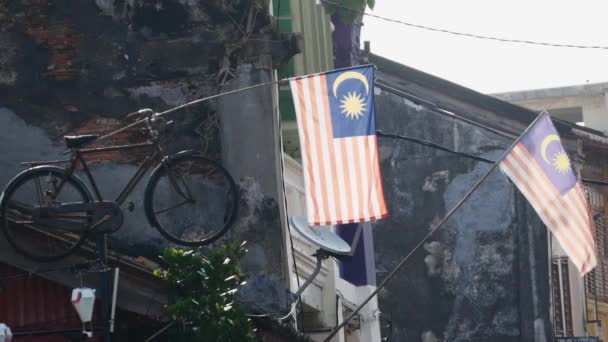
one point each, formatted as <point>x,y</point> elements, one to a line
<point>190,199</point>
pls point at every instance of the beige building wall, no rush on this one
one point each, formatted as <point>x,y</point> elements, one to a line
<point>587,103</point>
<point>602,315</point>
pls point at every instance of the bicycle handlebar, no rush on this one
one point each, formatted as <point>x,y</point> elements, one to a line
<point>147,111</point>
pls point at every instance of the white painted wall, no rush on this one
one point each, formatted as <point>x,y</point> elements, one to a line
<point>328,292</point>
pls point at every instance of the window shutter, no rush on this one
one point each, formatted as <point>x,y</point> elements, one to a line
<point>562,303</point>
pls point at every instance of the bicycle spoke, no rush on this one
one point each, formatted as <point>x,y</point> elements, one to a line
<point>173,182</point>
<point>192,180</point>
<point>172,207</point>
<point>31,222</point>
<point>190,197</point>
<point>39,190</point>
<point>73,217</point>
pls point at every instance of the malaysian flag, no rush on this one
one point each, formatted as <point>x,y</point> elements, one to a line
<point>337,128</point>
<point>541,170</point>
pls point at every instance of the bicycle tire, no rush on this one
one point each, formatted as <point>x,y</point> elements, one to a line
<point>72,243</point>
<point>153,192</point>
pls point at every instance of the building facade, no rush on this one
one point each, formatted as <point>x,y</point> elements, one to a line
<point>585,104</point>
<point>494,272</point>
<point>78,67</point>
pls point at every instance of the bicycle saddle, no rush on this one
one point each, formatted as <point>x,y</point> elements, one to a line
<point>74,141</point>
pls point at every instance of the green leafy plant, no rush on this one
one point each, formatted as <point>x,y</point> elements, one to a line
<point>347,10</point>
<point>202,293</point>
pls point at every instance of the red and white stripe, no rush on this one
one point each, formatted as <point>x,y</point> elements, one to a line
<point>342,175</point>
<point>567,216</point>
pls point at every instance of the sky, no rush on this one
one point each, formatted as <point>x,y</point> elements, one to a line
<point>489,66</point>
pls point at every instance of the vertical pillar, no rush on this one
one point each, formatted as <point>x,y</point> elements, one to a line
<point>102,248</point>
<point>251,152</point>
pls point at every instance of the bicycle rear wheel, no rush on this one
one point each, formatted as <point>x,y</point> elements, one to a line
<point>26,215</point>
<point>191,200</point>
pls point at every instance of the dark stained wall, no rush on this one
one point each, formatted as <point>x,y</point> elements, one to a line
<point>70,67</point>
<point>483,276</point>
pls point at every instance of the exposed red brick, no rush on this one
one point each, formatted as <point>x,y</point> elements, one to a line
<point>102,126</point>
<point>60,39</point>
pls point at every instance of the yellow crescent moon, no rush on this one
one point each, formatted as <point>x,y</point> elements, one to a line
<point>350,75</point>
<point>543,146</point>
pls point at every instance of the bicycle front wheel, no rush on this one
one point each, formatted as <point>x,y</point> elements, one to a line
<point>191,200</point>
<point>28,220</point>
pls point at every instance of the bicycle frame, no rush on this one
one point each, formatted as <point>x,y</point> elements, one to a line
<point>146,164</point>
<point>78,157</point>
<point>88,212</point>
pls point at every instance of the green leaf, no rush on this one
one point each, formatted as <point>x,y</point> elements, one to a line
<point>371,4</point>
<point>202,292</point>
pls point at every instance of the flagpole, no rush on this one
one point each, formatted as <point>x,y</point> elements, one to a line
<point>439,225</point>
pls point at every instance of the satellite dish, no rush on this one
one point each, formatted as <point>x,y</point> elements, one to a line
<point>321,236</point>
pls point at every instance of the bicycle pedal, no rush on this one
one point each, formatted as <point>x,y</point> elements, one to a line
<point>107,217</point>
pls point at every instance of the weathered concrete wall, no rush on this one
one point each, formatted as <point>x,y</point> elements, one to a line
<point>76,66</point>
<point>482,277</point>
<point>590,99</point>
<point>250,147</point>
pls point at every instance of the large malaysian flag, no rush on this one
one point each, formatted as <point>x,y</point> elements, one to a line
<point>541,170</point>
<point>337,129</point>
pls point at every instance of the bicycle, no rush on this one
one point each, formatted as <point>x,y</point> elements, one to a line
<point>47,211</point>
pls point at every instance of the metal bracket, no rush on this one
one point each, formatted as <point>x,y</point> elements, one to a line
<point>321,255</point>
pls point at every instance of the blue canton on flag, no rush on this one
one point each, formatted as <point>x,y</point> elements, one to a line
<point>351,103</point>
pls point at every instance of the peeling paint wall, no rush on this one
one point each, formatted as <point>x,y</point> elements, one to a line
<point>72,67</point>
<point>479,278</point>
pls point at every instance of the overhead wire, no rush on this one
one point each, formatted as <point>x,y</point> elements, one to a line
<point>380,133</point>
<point>441,110</point>
<point>433,145</point>
<point>464,34</point>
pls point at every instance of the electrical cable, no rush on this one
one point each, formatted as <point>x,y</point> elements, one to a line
<point>211,97</point>
<point>442,111</point>
<point>293,252</point>
<point>284,189</point>
<point>79,267</point>
<point>379,133</point>
<point>281,316</point>
<point>431,144</point>
<point>51,332</point>
<point>463,34</point>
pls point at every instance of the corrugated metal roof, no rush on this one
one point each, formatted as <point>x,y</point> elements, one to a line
<point>32,303</point>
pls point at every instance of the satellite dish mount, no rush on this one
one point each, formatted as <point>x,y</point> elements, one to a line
<point>329,243</point>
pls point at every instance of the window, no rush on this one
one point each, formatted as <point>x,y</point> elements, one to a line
<point>562,305</point>
<point>597,280</point>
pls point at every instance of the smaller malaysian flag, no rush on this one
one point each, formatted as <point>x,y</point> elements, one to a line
<point>337,129</point>
<point>541,170</point>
